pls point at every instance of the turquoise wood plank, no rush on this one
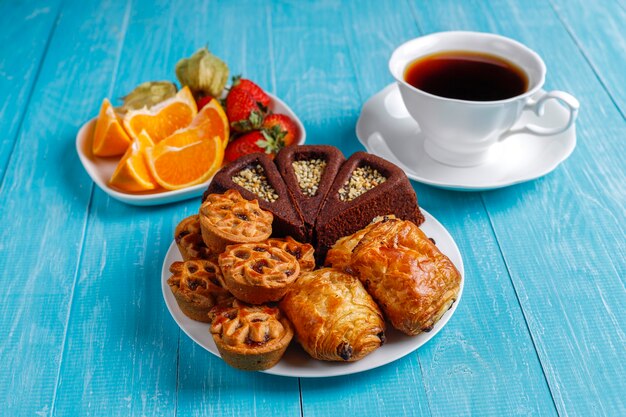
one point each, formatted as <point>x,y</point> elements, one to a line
<point>24,28</point>
<point>598,29</point>
<point>44,197</point>
<point>456,372</point>
<point>562,236</point>
<point>150,367</point>
<point>313,70</point>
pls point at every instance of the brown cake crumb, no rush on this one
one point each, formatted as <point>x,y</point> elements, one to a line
<point>254,180</point>
<point>361,181</point>
<point>309,174</point>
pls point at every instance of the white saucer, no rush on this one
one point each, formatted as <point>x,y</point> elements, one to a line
<point>386,130</point>
<point>101,169</point>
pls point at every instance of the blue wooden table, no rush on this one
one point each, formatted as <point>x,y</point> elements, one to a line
<point>541,327</point>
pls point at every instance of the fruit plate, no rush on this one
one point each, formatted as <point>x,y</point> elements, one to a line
<point>296,362</point>
<point>101,169</point>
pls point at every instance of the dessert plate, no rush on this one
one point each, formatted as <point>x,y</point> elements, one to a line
<point>101,169</point>
<point>386,129</point>
<point>296,362</point>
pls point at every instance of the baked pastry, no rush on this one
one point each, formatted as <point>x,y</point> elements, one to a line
<point>228,218</point>
<point>303,252</point>
<point>258,273</point>
<point>255,177</point>
<point>340,255</point>
<point>411,280</point>
<point>188,238</point>
<point>197,286</point>
<point>334,318</point>
<point>249,337</point>
<point>309,172</point>
<point>365,187</point>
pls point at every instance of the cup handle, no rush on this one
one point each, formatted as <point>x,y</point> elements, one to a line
<point>538,107</point>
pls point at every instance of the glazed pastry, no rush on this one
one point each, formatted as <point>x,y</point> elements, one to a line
<point>340,254</point>
<point>303,252</point>
<point>228,218</point>
<point>334,318</point>
<point>411,280</point>
<point>249,337</point>
<point>188,238</point>
<point>258,273</point>
<point>197,286</point>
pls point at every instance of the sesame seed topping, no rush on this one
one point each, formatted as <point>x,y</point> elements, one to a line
<point>361,181</point>
<point>254,180</point>
<point>309,174</point>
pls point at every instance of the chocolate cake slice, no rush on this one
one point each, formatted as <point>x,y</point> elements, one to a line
<point>256,177</point>
<point>309,172</point>
<point>365,187</point>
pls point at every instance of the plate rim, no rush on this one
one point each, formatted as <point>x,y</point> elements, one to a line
<point>464,187</point>
<point>171,304</point>
<point>89,163</point>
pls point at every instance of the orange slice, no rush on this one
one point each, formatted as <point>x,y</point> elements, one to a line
<point>132,173</point>
<point>214,113</point>
<point>165,118</point>
<point>188,157</point>
<point>109,138</point>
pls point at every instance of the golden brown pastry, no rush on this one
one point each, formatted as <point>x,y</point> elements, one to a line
<point>258,273</point>
<point>303,252</point>
<point>335,319</point>
<point>340,254</point>
<point>411,280</point>
<point>228,218</point>
<point>197,286</point>
<point>188,238</point>
<point>250,337</point>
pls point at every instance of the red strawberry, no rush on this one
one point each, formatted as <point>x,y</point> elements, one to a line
<point>257,141</point>
<point>254,90</point>
<point>203,101</point>
<point>281,127</point>
<point>244,113</point>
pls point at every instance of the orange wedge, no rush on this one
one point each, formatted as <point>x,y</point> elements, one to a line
<point>132,173</point>
<point>163,119</point>
<point>188,157</point>
<point>213,113</point>
<point>109,138</point>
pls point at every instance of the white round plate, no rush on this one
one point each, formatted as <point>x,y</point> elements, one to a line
<point>386,129</point>
<point>101,169</point>
<point>296,362</point>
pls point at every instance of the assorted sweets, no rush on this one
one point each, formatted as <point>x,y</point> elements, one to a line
<point>169,139</point>
<point>318,196</point>
<point>253,271</point>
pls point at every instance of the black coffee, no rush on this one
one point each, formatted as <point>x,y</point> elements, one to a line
<point>465,75</point>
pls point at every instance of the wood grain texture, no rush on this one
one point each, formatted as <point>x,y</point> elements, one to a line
<point>25,27</point>
<point>44,198</point>
<point>598,29</point>
<point>562,237</point>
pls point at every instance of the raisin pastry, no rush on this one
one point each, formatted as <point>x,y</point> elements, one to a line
<point>411,280</point>
<point>334,318</point>
<point>188,238</point>
<point>340,254</point>
<point>303,252</point>
<point>228,218</point>
<point>250,337</point>
<point>197,286</point>
<point>258,273</point>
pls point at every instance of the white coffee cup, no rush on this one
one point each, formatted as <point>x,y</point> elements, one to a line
<point>460,132</point>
